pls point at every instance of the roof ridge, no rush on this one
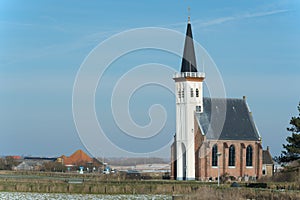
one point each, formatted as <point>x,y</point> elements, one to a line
<point>220,98</point>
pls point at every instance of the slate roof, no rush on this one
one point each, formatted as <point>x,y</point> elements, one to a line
<point>267,158</point>
<point>238,122</point>
<point>188,63</point>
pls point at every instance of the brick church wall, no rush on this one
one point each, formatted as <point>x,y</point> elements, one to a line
<point>203,158</point>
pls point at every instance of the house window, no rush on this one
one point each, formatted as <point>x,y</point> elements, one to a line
<point>231,161</point>
<point>249,154</point>
<point>198,108</point>
<point>197,92</point>
<point>214,155</point>
<point>192,92</point>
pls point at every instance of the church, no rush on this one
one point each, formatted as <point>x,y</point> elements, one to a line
<point>213,135</point>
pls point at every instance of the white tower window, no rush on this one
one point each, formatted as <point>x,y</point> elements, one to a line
<point>192,92</point>
<point>182,94</point>
<point>198,108</point>
<point>179,93</point>
<point>197,92</point>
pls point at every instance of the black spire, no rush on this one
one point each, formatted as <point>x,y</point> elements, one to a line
<point>189,59</point>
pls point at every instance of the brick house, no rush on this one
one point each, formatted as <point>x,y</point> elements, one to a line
<point>211,133</point>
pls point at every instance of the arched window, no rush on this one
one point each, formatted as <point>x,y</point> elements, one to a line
<point>231,161</point>
<point>249,154</point>
<point>197,92</point>
<point>214,155</point>
<point>192,92</point>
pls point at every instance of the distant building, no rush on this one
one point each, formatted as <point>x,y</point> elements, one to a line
<point>77,159</point>
<point>14,157</point>
<point>201,147</point>
<point>32,163</point>
<point>28,166</point>
<point>268,163</point>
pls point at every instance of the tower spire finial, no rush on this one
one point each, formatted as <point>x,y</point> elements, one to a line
<point>189,14</point>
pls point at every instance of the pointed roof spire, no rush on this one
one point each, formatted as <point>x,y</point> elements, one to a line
<point>189,59</point>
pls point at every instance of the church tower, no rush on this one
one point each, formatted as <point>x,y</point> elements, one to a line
<point>189,100</point>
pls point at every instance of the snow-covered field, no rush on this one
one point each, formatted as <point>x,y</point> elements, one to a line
<point>53,196</point>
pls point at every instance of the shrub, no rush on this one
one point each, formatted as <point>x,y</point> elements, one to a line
<point>257,185</point>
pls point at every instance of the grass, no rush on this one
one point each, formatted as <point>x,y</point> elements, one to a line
<point>114,184</point>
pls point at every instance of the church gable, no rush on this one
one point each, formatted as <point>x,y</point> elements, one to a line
<point>238,125</point>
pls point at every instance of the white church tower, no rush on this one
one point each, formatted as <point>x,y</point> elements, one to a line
<point>189,100</point>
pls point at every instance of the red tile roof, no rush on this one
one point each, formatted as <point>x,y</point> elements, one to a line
<point>78,157</point>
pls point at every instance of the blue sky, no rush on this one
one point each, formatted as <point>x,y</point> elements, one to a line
<point>255,45</point>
